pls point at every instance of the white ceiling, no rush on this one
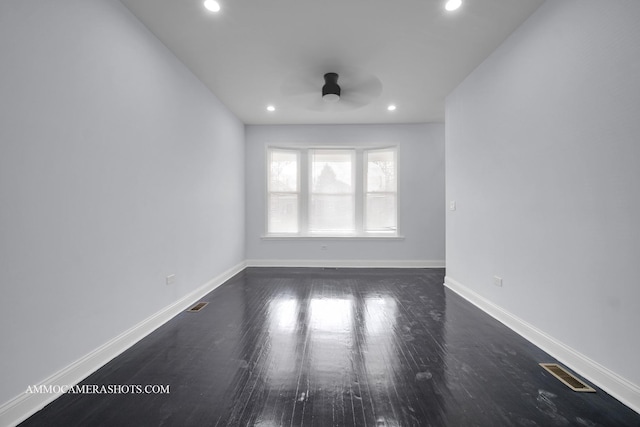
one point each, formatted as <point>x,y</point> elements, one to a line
<point>254,53</point>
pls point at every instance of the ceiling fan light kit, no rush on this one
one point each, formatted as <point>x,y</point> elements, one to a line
<point>331,90</point>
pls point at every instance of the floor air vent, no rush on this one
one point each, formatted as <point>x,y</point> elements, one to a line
<point>199,306</point>
<point>569,380</point>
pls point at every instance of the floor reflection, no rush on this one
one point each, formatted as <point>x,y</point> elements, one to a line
<point>331,349</point>
<point>380,316</point>
<point>283,315</point>
<point>330,317</point>
<point>329,346</point>
<point>380,355</point>
<point>282,348</point>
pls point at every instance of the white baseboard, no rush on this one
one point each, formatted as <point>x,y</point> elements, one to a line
<point>24,405</point>
<point>618,387</point>
<point>345,263</point>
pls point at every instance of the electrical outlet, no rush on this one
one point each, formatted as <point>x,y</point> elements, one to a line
<point>171,279</point>
<point>452,205</point>
<point>497,281</point>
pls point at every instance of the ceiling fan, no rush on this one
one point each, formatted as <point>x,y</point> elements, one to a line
<point>345,90</point>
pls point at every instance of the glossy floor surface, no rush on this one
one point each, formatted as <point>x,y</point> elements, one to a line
<point>346,347</point>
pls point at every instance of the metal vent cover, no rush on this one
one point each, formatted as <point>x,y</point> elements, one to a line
<point>199,306</point>
<point>568,379</point>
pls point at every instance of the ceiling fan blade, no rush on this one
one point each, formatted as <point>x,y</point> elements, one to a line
<point>298,89</point>
<point>300,84</point>
<point>354,100</point>
<point>312,101</point>
<point>369,86</point>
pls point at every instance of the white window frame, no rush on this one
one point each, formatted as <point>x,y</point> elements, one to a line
<point>354,180</point>
<point>366,192</point>
<point>299,184</point>
<point>359,176</point>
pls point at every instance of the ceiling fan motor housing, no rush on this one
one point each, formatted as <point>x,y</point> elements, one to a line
<point>331,90</point>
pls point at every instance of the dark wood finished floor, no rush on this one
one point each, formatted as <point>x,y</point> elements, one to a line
<point>346,347</point>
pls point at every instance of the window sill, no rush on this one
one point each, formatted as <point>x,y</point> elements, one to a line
<point>332,237</point>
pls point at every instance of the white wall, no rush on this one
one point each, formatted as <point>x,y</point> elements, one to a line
<point>111,159</point>
<point>543,159</point>
<point>421,193</point>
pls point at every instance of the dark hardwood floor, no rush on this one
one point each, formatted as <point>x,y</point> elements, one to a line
<point>327,347</point>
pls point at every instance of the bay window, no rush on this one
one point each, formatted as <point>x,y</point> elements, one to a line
<point>338,192</point>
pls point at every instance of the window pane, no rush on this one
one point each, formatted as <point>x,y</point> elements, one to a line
<point>283,191</point>
<point>381,212</point>
<point>381,187</point>
<point>283,213</point>
<point>331,212</point>
<point>381,170</point>
<point>332,171</point>
<point>331,203</point>
<point>283,171</point>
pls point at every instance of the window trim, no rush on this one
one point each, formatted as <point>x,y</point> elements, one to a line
<point>360,171</point>
<point>300,194</point>
<point>353,154</point>
<point>365,154</point>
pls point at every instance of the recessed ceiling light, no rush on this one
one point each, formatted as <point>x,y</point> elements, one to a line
<point>212,5</point>
<point>391,107</point>
<point>452,5</point>
<point>271,108</point>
